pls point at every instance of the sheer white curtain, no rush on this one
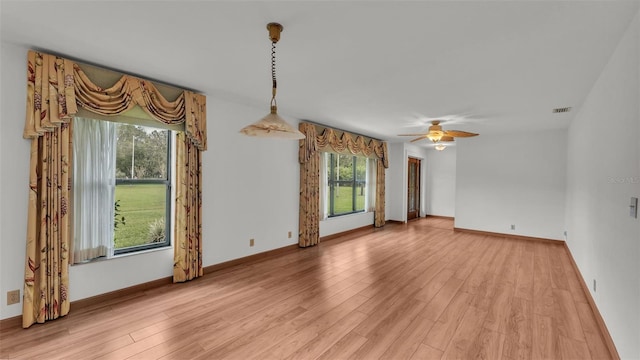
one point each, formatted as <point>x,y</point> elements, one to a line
<point>370,199</point>
<point>324,185</point>
<point>94,159</point>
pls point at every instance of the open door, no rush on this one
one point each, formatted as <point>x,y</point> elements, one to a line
<point>413,196</point>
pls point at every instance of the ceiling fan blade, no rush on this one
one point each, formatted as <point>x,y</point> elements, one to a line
<point>458,133</point>
<point>419,138</point>
<point>447,138</point>
<point>420,134</point>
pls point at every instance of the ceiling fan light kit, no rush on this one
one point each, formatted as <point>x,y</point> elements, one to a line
<point>437,135</point>
<point>273,125</point>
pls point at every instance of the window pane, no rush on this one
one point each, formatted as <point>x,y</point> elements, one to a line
<point>142,184</point>
<point>361,177</point>
<point>143,207</point>
<point>141,152</point>
<point>346,184</point>
<point>343,177</point>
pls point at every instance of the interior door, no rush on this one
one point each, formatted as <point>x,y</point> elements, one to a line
<point>413,189</point>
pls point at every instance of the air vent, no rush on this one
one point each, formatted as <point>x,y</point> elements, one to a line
<point>561,110</point>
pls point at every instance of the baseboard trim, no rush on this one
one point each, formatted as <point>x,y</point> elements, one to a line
<point>440,217</point>
<point>592,304</point>
<point>395,222</point>
<point>120,293</point>
<point>10,323</point>
<point>346,233</point>
<point>511,236</point>
<point>251,258</point>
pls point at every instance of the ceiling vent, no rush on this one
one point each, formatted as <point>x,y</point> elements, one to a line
<point>561,110</point>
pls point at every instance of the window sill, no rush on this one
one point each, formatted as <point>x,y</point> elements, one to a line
<point>361,213</point>
<point>141,252</point>
<point>170,247</point>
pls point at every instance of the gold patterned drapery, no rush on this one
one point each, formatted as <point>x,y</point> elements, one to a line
<point>309,216</point>
<point>46,281</point>
<point>189,109</point>
<point>309,158</point>
<point>55,88</point>
<point>379,218</point>
<point>187,263</point>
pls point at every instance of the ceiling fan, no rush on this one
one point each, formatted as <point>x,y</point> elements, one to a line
<point>436,133</point>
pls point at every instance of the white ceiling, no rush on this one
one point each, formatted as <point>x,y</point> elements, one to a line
<point>377,68</point>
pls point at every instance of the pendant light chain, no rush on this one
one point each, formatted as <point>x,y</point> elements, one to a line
<point>272,125</point>
<point>273,73</point>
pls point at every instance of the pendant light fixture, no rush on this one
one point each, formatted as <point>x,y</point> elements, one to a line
<point>273,125</point>
<point>440,147</point>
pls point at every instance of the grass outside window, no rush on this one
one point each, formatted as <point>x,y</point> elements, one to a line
<point>141,205</point>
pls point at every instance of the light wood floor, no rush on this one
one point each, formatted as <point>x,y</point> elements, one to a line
<point>416,291</point>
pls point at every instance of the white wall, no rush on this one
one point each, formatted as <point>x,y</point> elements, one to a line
<point>516,179</point>
<point>250,191</point>
<point>345,223</point>
<point>603,173</point>
<point>14,165</point>
<point>252,186</point>
<point>396,181</point>
<point>441,181</point>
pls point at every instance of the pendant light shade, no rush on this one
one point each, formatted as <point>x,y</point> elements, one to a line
<point>273,125</point>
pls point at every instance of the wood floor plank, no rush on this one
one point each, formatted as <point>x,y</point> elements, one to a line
<point>543,300</point>
<point>325,339</point>
<point>558,275</point>
<point>524,280</point>
<point>493,277</point>
<point>572,349</point>
<point>544,340</point>
<point>499,309</point>
<point>566,317</point>
<point>488,345</point>
<point>344,348</point>
<point>426,352</point>
<point>406,291</point>
<point>388,330</point>
<point>593,336</point>
<point>442,299</point>
<point>443,329</point>
<point>519,334</point>
<point>409,340</point>
<point>461,343</point>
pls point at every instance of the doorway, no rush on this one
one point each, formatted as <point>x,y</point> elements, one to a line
<point>413,189</point>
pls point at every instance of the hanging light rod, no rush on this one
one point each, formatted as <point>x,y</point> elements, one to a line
<point>273,125</point>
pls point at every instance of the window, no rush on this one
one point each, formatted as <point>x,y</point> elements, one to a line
<point>122,188</point>
<point>346,183</point>
<point>143,188</point>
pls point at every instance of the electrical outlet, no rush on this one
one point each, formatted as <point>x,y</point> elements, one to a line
<point>13,297</point>
<point>513,227</point>
<point>251,242</point>
<point>594,285</point>
<point>289,235</point>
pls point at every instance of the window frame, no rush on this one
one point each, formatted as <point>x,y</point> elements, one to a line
<point>168,182</point>
<point>331,184</point>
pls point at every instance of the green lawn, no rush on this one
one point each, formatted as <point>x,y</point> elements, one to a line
<point>141,205</point>
<point>343,199</point>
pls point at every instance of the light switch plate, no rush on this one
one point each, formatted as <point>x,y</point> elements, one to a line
<point>633,208</point>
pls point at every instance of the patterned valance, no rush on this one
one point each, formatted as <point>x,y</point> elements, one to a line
<point>57,86</point>
<point>330,139</point>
